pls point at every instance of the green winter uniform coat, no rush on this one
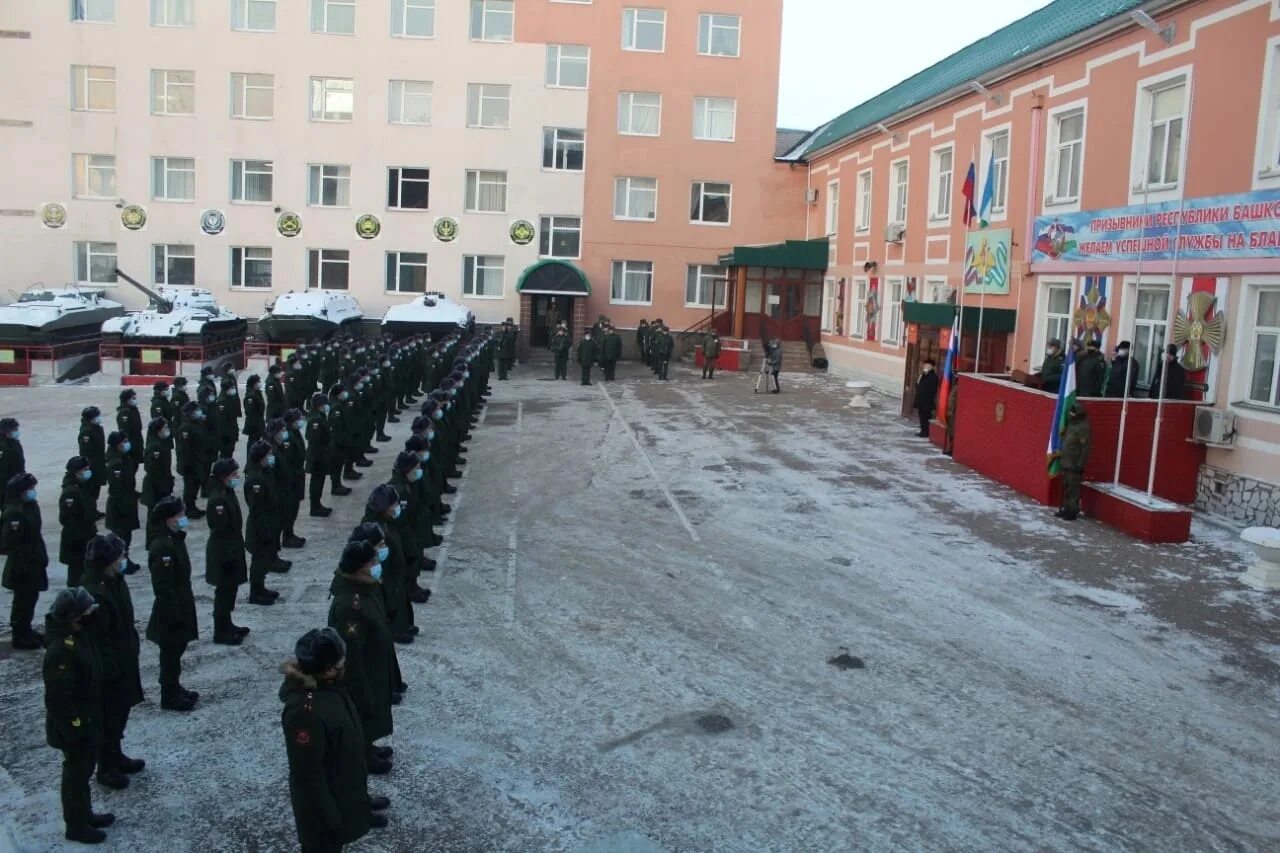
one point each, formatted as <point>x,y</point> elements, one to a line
<point>292,463</point>
<point>79,519</point>
<point>224,560</point>
<point>275,398</point>
<point>357,613</point>
<point>122,492</point>
<point>319,443</point>
<point>26,562</point>
<point>1076,440</point>
<point>611,348</point>
<point>129,422</point>
<point>115,636</point>
<point>588,352</point>
<point>179,399</point>
<point>711,349</point>
<point>162,408</point>
<point>93,446</point>
<point>173,613</point>
<point>394,575</point>
<point>1051,372</point>
<point>72,690</point>
<point>12,460</point>
<point>254,414</point>
<point>262,499</point>
<point>157,464</point>
<point>226,424</point>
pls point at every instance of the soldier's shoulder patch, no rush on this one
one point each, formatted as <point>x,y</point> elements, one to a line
<point>220,509</point>
<point>14,525</point>
<point>84,439</point>
<point>166,560</point>
<point>69,642</point>
<point>70,502</point>
<point>353,628</point>
<point>302,737</point>
<point>355,601</point>
<point>75,723</point>
<point>257,489</point>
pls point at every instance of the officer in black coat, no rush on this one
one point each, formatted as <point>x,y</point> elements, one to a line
<point>224,563</point>
<point>926,396</point>
<point>319,453</point>
<point>12,460</point>
<point>93,446</point>
<point>1123,370</point>
<point>1170,377</point>
<point>26,565</point>
<point>172,625</point>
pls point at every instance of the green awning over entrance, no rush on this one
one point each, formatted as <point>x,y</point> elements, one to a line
<point>998,320</point>
<point>554,278</point>
<point>793,254</point>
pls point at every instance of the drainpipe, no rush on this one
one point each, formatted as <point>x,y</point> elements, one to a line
<point>1035,168</point>
<point>808,188</point>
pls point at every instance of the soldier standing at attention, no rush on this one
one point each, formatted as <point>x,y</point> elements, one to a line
<point>78,517</point>
<point>255,409</point>
<point>129,422</point>
<point>610,351</point>
<point>506,348</point>
<point>292,463</point>
<point>383,510</point>
<point>324,742</point>
<point>208,404</point>
<point>116,639</point>
<point>1091,370</point>
<point>587,350</point>
<point>178,398</point>
<point>1076,440</point>
<point>157,464</point>
<point>227,421</point>
<point>664,346</point>
<point>93,446</point>
<point>319,454</point>
<point>26,562</point>
<point>224,565</point>
<point>160,405</point>
<point>552,320</point>
<point>122,493</point>
<point>262,533</point>
<point>205,384</point>
<point>710,352</point>
<point>173,612</point>
<point>642,340</point>
<point>73,709</point>
<point>12,460</point>
<point>275,391</point>
<point>561,343</point>
<point>926,397</point>
<point>1051,369</point>
<point>191,452</point>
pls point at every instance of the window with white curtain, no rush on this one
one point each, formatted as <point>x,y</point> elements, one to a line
<point>337,17</point>
<point>93,11</point>
<point>328,269</point>
<point>719,35</point>
<point>567,65</point>
<point>252,181</point>
<point>864,202</point>
<point>93,88</point>
<point>563,149</point>
<point>639,113</point>
<point>631,283</point>
<point>486,191</point>
<point>899,174</point>
<point>493,20</point>
<point>482,276</point>
<point>833,207</point>
<point>173,93</point>
<point>940,192</point>
<point>174,263</point>
<point>714,118</point>
<point>95,175</point>
<point>332,98</point>
<point>251,266</point>
<point>173,13</point>
<point>406,272</point>
<point>1056,322</point>
<point>409,102</point>
<point>892,328</point>
<point>560,237</point>
<point>413,18</point>
<point>173,178</point>
<point>635,198</point>
<point>95,262</point>
<point>1263,342</point>
<point>1165,112</point>
<point>858,328</point>
<point>705,283</point>
<point>253,15</point>
<point>710,203</point>
<point>488,105</point>
<point>253,96</point>
<point>1067,157</point>
<point>644,30</point>
<point>328,185</point>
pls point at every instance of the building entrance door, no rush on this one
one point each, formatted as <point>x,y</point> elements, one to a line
<point>548,311</point>
<point>923,342</point>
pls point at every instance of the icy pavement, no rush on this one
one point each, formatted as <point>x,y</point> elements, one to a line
<point>646,633</point>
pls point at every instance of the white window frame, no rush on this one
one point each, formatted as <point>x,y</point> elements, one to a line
<point>323,8</point>
<point>627,110</point>
<point>999,212</point>
<point>891,330</point>
<point>316,178</point>
<point>164,11</point>
<point>941,185</point>
<point>320,90</point>
<point>551,225</point>
<point>319,259</point>
<point>1052,145</point>
<point>833,208</point>
<point>168,252</point>
<point>242,257</point>
<point>238,194</point>
<point>702,279</point>
<point>93,11</point>
<point>240,89</point>
<point>708,21</point>
<point>624,269</point>
<point>827,319</point>
<point>1142,136</point>
<point>858,308</point>
<point>700,191</point>
<point>83,81</point>
<point>160,192</point>
<point>625,185</point>
<point>486,7</point>
<point>83,255</point>
<point>936,290</point>
<point>240,11</point>
<point>561,148</point>
<point>161,86</point>
<point>396,174</point>
<point>400,18</point>
<point>862,204</point>
<point>478,263</point>
<point>1267,151</point>
<point>557,60</point>
<point>84,168</point>
<point>899,191</point>
<point>631,23</point>
<point>1245,351</point>
<point>704,108</point>
<point>477,180</point>
<point>398,96</point>
<point>480,94</point>
<point>1040,335</point>
<point>396,265</point>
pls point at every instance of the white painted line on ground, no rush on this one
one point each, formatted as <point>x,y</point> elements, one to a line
<point>513,536</point>
<point>671,499</point>
<point>442,556</point>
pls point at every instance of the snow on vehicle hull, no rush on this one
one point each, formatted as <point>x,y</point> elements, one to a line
<point>310,316</point>
<point>45,317</point>
<point>432,313</point>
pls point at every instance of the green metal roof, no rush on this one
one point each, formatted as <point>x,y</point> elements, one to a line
<point>554,277</point>
<point>793,254</point>
<point>995,320</point>
<point>1041,29</point>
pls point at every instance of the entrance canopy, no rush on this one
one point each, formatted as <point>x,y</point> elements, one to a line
<point>942,315</point>
<point>554,278</point>
<point>792,254</point>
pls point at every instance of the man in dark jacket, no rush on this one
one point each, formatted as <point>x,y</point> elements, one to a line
<point>275,391</point>
<point>710,353</point>
<point>157,463</point>
<point>115,637</point>
<point>224,564</point>
<point>192,441</point>
<point>178,396</point>
<point>384,511</point>
<point>262,533</point>
<point>1170,377</point>
<point>93,446</point>
<point>325,745</point>
<point>1091,370</point>
<point>255,409</point>
<point>26,565</point>
<point>507,347</point>
<point>319,454</point>
<point>226,426</point>
<point>1076,441</point>
<point>926,396</point>
<point>12,460</point>
<point>291,461</point>
<point>587,355</point>
<point>173,612</point>
<point>642,340</point>
<point>122,493</point>
<point>73,709</point>
<point>1123,370</point>
<point>1052,367</point>
<point>561,342</point>
<point>77,516</point>
<point>161,403</point>
<point>663,348</point>
<point>129,422</point>
<point>610,352</point>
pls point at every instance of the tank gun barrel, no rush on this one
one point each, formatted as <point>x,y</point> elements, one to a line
<point>164,306</point>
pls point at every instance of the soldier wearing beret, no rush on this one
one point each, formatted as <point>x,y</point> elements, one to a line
<point>173,612</point>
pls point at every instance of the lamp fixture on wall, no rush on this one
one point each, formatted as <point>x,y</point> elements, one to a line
<point>1147,22</point>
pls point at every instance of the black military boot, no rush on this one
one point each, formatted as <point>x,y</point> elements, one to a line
<point>292,540</point>
<point>177,702</point>
<point>350,473</point>
<point>128,765</point>
<point>364,463</point>
<point>319,510</point>
<point>28,641</point>
<point>112,778</point>
<point>418,595</point>
<point>101,821</point>
<point>340,490</point>
<point>86,835</point>
<point>262,596</point>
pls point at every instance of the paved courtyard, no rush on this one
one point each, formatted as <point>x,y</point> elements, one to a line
<point>682,617</point>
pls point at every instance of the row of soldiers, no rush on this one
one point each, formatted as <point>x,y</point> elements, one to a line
<point>91,664</point>
<point>1095,377</point>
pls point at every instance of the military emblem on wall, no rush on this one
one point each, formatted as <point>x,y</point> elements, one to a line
<point>368,227</point>
<point>522,232</point>
<point>133,217</point>
<point>53,215</point>
<point>289,224</point>
<point>213,222</point>
<point>446,229</point>
<point>1199,330</point>
<point>1091,319</point>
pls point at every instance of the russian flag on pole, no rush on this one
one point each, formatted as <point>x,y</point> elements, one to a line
<point>1066,399</point>
<point>949,370</point>
<point>970,187</point>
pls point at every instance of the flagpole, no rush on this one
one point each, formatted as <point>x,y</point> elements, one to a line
<point>968,228</point>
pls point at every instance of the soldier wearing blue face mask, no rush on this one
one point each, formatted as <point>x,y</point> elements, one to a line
<point>129,422</point>
<point>224,563</point>
<point>122,492</point>
<point>78,516</point>
<point>93,446</point>
<point>26,562</point>
<point>262,532</point>
<point>12,460</point>
<point>173,613</point>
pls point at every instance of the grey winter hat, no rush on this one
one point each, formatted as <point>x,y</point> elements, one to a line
<point>382,498</point>
<point>355,556</point>
<point>72,603</point>
<point>319,650</point>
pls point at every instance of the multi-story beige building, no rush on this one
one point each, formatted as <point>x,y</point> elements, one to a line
<point>454,124</point>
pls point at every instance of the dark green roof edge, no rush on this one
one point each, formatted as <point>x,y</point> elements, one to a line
<point>792,254</point>
<point>943,314</point>
<point>548,262</point>
<point>1042,29</point>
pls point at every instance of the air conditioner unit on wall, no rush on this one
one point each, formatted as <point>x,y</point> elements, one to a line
<point>1214,426</point>
<point>812,195</point>
<point>895,232</point>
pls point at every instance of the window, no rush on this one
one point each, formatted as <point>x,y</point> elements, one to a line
<point>710,203</point>
<point>333,16</point>
<point>328,269</point>
<point>1165,108</point>
<point>173,13</point>
<point>486,191</point>
<point>406,272</point>
<point>328,185</point>
<point>95,175</point>
<point>332,98</point>
<point>899,175</point>
<point>493,20</point>
<point>1067,157</point>
<point>482,276</point>
<point>253,96</point>
<point>95,263</point>
<point>714,118</point>
<point>719,35</point>
<point>813,301</point>
<point>251,180</point>
<point>828,320</point>
<point>560,237</point>
<point>1057,313</point>
<point>833,207</point>
<point>705,283</point>
<point>639,113</point>
<point>173,93</point>
<point>567,65</point>
<point>1150,330</point>
<point>632,283</point>
<point>173,178</point>
<point>409,102</point>
<point>937,291</point>
<point>891,330</point>
<point>940,196</point>
<point>864,202</point>
<point>858,308</point>
<point>408,188</point>
<point>93,87</point>
<point>635,198</point>
<point>644,29</point>
<point>1264,370</point>
<point>413,18</point>
<point>253,15</point>
<point>996,157</point>
<point>251,266</point>
<point>563,149</point>
<point>94,12</point>
<point>488,105</point>
<point>174,263</point>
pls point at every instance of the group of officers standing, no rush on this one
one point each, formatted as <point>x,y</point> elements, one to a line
<point>335,708</point>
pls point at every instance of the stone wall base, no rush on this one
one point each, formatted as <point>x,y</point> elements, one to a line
<point>1243,500</point>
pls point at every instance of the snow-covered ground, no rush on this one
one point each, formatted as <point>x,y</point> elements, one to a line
<point>642,637</point>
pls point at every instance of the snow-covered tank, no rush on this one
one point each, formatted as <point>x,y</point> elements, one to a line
<point>433,313</point>
<point>185,316</point>
<point>51,316</point>
<point>312,315</point>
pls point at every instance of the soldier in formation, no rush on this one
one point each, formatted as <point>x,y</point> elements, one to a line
<point>561,342</point>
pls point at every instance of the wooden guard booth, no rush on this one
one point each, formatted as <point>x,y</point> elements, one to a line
<point>775,291</point>
<point>929,327</point>
<point>545,284</point>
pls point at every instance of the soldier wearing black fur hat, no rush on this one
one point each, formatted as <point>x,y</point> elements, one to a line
<point>157,464</point>
<point>226,418</point>
<point>26,564</point>
<point>116,639</point>
<point>291,454</point>
<point>161,405</point>
<point>129,422</point>
<point>173,613</point>
<point>12,460</point>
<point>275,391</point>
<point>384,509</point>
<point>319,454</point>
<point>122,492</point>
<point>73,709</point>
<point>255,409</point>
<point>262,533</point>
<point>93,446</point>
<point>192,451</point>
<point>77,515</point>
<point>178,396</point>
<point>413,524</point>
<point>224,564</point>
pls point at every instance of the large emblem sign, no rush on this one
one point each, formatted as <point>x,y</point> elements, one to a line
<point>53,215</point>
<point>986,261</point>
<point>213,222</point>
<point>133,217</point>
<point>446,229</point>
<point>289,224</point>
